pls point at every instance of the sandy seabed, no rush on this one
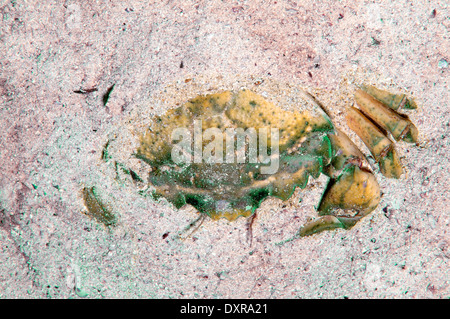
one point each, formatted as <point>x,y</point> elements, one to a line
<point>57,61</point>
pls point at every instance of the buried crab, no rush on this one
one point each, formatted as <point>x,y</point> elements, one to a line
<point>211,168</point>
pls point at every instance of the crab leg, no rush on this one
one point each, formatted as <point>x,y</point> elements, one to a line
<point>399,126</point>
<point>345,152</point>
<point>394,101</point>
<point>379,145</point>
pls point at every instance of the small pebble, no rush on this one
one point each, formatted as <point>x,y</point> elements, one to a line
<point>443,63</point>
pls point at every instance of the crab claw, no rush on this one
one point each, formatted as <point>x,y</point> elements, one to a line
<point>352,192</point>
<point>322,223</point>
<point>346,200</point>
<point>356,190</point>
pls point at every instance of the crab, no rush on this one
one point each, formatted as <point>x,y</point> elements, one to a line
<point>308,144</point>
